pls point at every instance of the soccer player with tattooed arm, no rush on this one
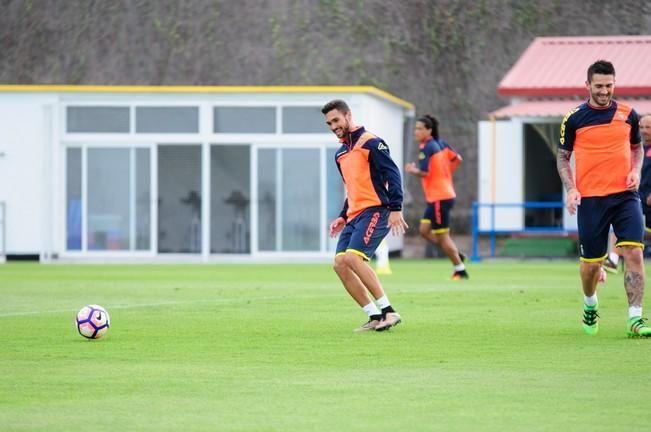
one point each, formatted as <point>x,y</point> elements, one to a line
<point>602,189</point>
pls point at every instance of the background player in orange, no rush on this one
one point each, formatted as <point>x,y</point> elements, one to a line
<point>604,136</point>
<point>373,206</point>
<point>437,162</point>
<point>612,261</point>
<point>645,181</point>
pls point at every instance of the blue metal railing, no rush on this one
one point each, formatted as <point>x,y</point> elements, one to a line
<point>493,232</point>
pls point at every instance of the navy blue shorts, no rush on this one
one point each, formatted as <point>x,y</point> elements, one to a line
<point>595,216</point>
<point>438,214</point>
<point>364,233</point>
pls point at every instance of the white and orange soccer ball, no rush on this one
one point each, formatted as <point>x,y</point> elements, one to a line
<point>93,322</point>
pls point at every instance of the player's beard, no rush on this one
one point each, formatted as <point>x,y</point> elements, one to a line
<point>602,100</point>
<point>345,128</point>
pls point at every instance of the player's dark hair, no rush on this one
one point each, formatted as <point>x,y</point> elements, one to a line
<point>601,67</point>
<point>430,123</point>
<point>336,104</point>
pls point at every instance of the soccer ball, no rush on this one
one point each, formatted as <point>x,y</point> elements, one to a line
<point>93,322</point>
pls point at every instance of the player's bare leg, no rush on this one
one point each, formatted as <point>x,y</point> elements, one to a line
<point>449,248</point>
<point>358,292</point>
<point>634,279</point>
<point>589,276</point>
<point>442,240</point>
<point>425,231</point>
<point>353,284</point>
<point>369,280</point>
<point>364,273</point>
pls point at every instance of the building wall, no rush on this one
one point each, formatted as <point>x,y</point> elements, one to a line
<point>25,141</point>
<point>501,176</point>
<point>34,142</point>
<point>508,186</point>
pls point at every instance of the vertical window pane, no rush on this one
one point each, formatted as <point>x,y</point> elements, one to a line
<point>230,198</point>
<point>300,202</point>
<point>244,120</point>
<point>167,119</point>
<point>267,199</point>
<point>88,119</point>
<point>179,198</point>
<point>143,200</point>
<point>334,192</point>
<point>108,199</point>
<point>73,199</point>
<point>303,120</point>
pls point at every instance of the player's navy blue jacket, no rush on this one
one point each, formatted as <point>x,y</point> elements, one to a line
<point>370,175</point>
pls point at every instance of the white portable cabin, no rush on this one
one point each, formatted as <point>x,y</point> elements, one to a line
<point>178,173</point>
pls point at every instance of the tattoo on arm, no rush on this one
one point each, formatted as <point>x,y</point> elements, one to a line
<point>634,285</point>
<point>565,169</point>
<point>637,157</point>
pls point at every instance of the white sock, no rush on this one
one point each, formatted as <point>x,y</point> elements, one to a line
<point>459,267</point>
<point>614,257</point>
<point>382,254</point>
<point>634,311</point>
<point>590,301</point>
<point>383,302</point>
<point>371,309</point>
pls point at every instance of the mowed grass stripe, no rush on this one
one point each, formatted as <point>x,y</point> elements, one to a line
<point>248,348</point>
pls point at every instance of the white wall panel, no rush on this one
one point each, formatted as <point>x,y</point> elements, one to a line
<point>22,180</point>
<point>501,157</point>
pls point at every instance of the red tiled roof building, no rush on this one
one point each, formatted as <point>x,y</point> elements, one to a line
<point>549,77</point>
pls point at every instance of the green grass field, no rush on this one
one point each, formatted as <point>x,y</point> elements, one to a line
<point>271,348</point>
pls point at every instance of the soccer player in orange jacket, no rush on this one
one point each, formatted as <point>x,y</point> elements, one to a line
<point>437,162</point>
<point>372,208</point>
<point>604,136</point>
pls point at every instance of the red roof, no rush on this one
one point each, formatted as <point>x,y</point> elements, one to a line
<point>556,66</point>
<point>559,107</point>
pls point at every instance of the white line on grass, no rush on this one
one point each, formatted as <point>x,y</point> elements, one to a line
<point>165,303</point>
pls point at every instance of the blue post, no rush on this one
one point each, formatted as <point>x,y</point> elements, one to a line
<point>492,229</point>
<point>475,233</point>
